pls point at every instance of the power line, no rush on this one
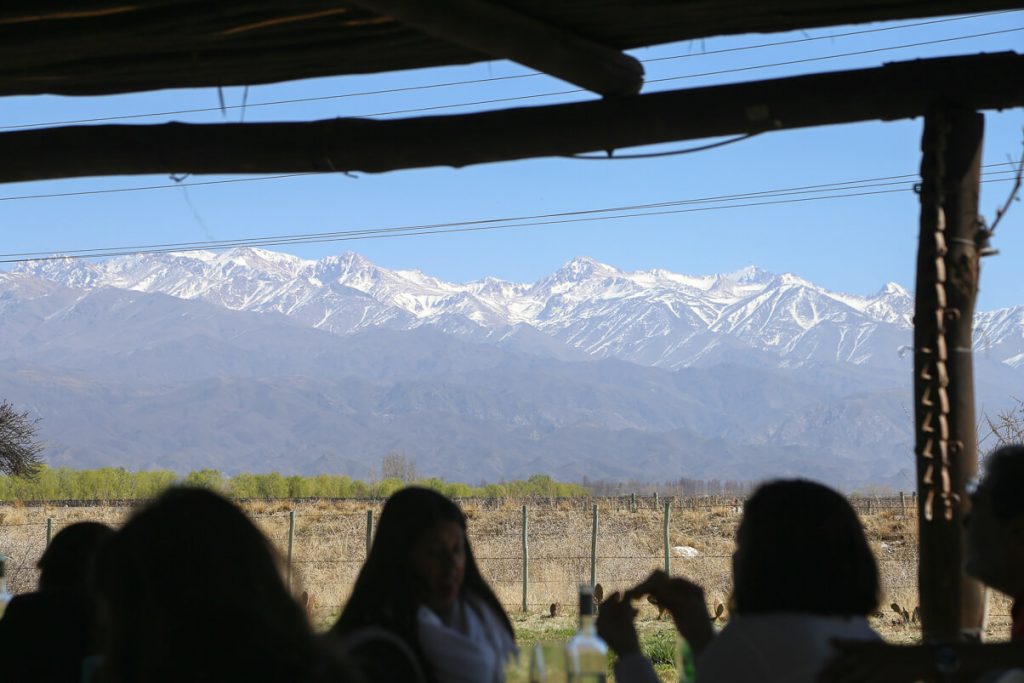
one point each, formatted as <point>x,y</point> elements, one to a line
<point>231,181</point>
<point>670,153</point>
<point>210,244</point>
<point>502,100</point>
<point>841,55</point>
<point>141,188</point>
<point>475,226</point>
<point>478,81</point>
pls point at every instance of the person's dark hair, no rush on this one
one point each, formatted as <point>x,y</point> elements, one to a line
<point>801,549</point>
<point>66,562</point>
<point>1004,479</point>
<point>388,592</point>
<point>192,591</point>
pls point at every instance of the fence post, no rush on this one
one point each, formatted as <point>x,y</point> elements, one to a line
<point>49,530</point>
<point>664,531</point>
<point>291,542</point>
<point>655,500</point>
<point>593,550</point>
<point>632,502</point>
<point>369,530</point>
<point>903,502</point>
<point>526,561</point>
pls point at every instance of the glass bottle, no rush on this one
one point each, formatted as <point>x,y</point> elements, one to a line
<point>5,596</point>
<point>685,661</point>
<point>586,654</point>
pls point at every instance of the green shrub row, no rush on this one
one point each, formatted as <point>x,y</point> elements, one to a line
<point>115,483</point>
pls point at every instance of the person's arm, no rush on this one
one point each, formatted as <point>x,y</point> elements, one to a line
<point>615,626</point>
<point>684,600</point>
<point>859,661</point>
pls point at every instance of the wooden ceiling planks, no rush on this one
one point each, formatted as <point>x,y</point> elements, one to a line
<point>96,47</point>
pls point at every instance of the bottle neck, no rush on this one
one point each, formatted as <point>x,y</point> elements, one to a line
<point>588,624</point>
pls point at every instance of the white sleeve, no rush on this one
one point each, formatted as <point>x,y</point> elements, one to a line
<point>730,659</point>
<point>635,668</point>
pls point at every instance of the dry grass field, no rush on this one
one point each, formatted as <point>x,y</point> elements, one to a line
<point>329,545</point>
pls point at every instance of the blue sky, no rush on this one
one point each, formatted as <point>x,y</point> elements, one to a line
<point>853,244</point>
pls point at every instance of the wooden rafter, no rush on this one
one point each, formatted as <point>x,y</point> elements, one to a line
<point>95,47</point>
<point>499,31</point>
<point>895,91</point>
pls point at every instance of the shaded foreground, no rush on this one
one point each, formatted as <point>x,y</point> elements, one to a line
<point>329,546</point>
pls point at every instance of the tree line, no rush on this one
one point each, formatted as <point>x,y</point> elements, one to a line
<point>116,483</point>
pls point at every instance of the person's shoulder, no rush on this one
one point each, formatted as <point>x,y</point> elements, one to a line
<point>785,627</point>
<point>29,607</point>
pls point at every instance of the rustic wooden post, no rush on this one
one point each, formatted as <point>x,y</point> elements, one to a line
<point>664,533</point>
<point>632,502</point>
<point>593,550</point>
<point>291,542</point>
<point>49,530</point>
<point>946,443</point>
<point>369,530</point>
<point>655,500</point>
<point>526,562</point>
<point>903,502</point>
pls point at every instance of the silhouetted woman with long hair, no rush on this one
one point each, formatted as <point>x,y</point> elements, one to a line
<point>803,576</point>
<point>421,583</point>
<point>190,590</point>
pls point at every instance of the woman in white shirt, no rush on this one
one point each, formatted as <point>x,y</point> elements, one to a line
<point>803,575</point>
<point>421,583</point>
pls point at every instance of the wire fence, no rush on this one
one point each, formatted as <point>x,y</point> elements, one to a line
<point>534,552</point>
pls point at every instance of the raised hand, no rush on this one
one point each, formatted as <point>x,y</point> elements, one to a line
<point>615,624</point>
<point>684,600</point>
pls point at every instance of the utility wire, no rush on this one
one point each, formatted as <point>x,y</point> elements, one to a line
<point>142,188</point>
<point>557,93</point>
<point>841,55</point>
<point>469,226</point>
<point>230,181</point>
<point>478,81</point>
<point>295,238</point>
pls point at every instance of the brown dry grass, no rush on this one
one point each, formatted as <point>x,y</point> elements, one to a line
<point>330,545</point>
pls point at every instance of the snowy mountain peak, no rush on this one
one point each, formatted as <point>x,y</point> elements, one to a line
<point>66,270</point>
<point>892,289</point>
<point>593,309</point>
<point>342,266</point>
<point>748,275</point>
<point>583,267</point>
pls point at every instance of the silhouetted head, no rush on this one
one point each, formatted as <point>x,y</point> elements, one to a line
<point>995,525</point>
<point>420,557</point>
<point>801,548</point>
<point>190,590</point>
<point>67,561</point>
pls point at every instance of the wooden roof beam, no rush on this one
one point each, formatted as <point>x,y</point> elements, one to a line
<point>502,32</point>
<point>895,91</point>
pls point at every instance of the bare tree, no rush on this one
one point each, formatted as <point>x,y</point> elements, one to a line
<point>396,465</point>
<point>1007,427</point>
<point>19,449</point>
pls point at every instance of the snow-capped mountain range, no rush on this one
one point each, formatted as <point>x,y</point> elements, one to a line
<point>585,309</point>
<point>252,360</point>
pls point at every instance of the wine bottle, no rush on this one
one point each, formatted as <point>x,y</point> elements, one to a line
<point>5,597</point>
<point>586,654</point>
<point>685,661</point>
